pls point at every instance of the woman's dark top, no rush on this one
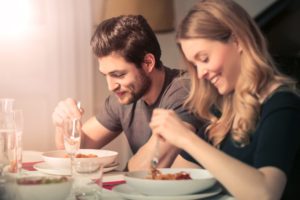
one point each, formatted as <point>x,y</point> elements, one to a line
<point>276,140</point>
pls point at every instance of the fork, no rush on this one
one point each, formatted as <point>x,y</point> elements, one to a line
<point>155,159</point>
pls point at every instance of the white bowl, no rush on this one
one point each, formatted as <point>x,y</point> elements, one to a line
<point>58,159</point>
<point>201,180</point>
<point>45,191</point>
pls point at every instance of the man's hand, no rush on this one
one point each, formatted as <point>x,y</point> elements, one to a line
<point>65,109</point>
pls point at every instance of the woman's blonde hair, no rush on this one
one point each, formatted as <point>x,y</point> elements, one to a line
<point>221,20</point>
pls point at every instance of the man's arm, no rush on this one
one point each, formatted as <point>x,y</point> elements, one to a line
<point>167,154</point>
<point>94,135</point>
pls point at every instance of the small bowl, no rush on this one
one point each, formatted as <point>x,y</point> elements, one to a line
<point>201,180</point>
<point>44,187</point>
<point>58,159</point>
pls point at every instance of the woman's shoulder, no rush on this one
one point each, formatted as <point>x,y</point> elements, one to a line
<point>281,98</point>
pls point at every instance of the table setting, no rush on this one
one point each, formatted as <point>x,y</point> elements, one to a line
<point>88,174</point>
<point>116,184</point>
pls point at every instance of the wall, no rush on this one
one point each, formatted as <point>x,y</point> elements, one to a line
<point>47,62</point>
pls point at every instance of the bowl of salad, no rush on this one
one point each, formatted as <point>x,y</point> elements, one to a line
<point>44,187</point>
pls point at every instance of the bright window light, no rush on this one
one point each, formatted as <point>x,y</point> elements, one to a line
<point>15,17</point>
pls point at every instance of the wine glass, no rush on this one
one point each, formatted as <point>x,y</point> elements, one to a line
<point>72,133</point>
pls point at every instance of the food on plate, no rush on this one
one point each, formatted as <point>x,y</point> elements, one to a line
<point>13,167</point>
<point>81,155</point>
<point>157,175</point>
<point>41,180</point>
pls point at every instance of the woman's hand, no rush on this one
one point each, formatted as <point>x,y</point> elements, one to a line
<point>167,125</point>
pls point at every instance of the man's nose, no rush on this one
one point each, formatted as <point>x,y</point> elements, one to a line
<point>112,85</point>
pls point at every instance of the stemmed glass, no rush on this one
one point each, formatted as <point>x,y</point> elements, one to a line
<point>72,133</point>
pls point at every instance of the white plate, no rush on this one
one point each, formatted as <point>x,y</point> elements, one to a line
<point>126,191</point>
<point>200,180</point>
<point>58,158</point>
<point>46,168</point>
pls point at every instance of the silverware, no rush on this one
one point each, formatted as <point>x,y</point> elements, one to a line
<point>155,159</point>
<point>78,104</point>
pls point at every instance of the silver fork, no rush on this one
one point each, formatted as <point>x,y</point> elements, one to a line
<point>155,159</point>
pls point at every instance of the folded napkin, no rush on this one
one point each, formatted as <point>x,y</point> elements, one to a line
<point>29,165</point>
<point>109,185</point>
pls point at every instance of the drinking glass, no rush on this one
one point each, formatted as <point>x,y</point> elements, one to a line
<point>72,133</point>
<point>16,151</point>
<point>7,126</point>
<point>7,132</point>
<point>88,174</point>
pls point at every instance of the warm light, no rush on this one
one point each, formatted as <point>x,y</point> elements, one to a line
<point>15,17</point>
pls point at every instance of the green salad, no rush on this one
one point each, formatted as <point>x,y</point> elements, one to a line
<point>41,180</point>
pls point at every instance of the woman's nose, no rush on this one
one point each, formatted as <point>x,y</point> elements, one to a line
<point>201,72</point>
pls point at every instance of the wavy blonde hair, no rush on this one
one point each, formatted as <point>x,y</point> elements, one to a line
<point>221,20</point>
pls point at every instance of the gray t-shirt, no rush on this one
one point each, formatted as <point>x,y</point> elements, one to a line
<point>134,118</point>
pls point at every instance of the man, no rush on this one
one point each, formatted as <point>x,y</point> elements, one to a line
<point>129,57</point>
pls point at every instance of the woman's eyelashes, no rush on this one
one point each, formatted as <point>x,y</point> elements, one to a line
<point>204,59</point>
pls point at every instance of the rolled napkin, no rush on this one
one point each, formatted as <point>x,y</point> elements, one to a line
<point>29,165</point>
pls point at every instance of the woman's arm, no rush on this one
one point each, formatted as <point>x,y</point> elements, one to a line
<point>241,180</point>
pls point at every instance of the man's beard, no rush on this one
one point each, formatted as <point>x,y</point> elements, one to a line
<point>145,83</point>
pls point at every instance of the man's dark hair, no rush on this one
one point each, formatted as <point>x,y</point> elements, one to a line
<point>128,35</point>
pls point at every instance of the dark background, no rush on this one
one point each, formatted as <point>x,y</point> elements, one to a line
<point>281,27</point>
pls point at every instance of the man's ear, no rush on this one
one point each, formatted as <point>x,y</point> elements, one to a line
<point>149,63</point>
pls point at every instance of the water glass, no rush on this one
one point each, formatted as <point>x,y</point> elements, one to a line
<point>15,156</point>
<point>88,175</point>
<point>7,131</point>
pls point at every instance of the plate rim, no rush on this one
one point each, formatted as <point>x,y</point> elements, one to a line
<point>66,172</point>
<point>114,153</point>
<point>216,190</point>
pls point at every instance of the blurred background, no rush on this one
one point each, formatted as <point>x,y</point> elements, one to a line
<point>45,54</point>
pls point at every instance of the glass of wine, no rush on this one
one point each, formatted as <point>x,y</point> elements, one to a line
<point>72,133</point>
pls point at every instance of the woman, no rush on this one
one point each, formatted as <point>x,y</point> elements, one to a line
<point>251,147</point>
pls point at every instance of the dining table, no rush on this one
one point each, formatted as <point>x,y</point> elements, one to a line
<point>110,179</point>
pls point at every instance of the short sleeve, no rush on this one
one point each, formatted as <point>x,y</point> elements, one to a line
<point>109,115</point>
<point>174,99</point>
